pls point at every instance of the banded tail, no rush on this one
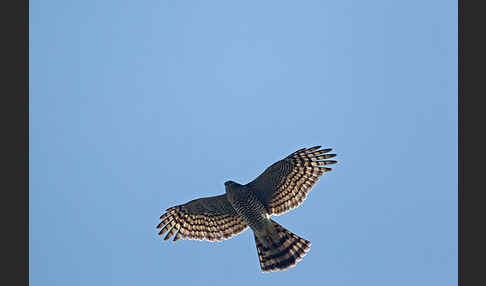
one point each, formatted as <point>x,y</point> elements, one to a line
<point>281,250</point>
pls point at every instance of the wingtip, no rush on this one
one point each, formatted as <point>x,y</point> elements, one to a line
<point>311,149</point>
<point>168,236</point>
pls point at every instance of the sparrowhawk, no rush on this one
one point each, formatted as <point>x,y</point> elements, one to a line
<point>281,187</point>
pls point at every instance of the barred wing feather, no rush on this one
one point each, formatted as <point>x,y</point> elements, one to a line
<point>211,218</point>
<point>284,185</point>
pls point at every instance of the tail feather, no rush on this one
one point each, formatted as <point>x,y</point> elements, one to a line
<point>282,253</point>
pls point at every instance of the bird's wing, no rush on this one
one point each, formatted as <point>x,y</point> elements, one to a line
<point>284,185</point>
<point>211,218</point>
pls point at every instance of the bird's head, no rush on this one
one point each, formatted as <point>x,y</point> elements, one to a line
<point>230,185</point>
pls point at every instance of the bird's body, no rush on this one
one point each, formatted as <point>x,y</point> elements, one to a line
<point>247,205</point>
<point>282,187</point>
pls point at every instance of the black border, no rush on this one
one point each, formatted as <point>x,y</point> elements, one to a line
<point>471,193</point>
<point>15,139</point>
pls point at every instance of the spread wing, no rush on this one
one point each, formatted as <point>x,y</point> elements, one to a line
<point>284,185</point>
<point>211,218</point>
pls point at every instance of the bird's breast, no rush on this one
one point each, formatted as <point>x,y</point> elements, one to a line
<point>248,206</point>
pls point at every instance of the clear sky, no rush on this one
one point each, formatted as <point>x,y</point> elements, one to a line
<point>136,106</point>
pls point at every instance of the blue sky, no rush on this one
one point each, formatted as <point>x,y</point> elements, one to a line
<point>139,106</point>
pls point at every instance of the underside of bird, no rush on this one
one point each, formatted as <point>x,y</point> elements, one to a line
<point>280,188</point>
<point>280,249</point>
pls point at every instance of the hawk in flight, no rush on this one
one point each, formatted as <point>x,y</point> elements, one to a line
<point>281,187</point>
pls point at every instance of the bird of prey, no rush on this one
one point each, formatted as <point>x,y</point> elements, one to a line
<point>281,187</point>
